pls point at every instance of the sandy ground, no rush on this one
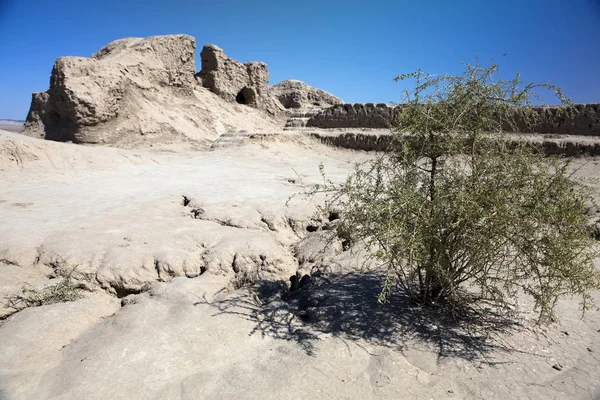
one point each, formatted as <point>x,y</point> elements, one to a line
<point>161,239</point>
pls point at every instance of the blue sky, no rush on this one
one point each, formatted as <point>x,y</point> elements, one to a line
<point>353,49</point>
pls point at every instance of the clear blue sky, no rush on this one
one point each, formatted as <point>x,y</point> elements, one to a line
<point>351,48</point>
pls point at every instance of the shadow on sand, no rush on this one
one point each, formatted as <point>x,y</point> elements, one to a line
<point>346,306</point>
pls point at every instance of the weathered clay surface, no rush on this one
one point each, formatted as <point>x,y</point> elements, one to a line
<point>297,94</point>
<point>173,234</point>
<point>186,339</point>
<point>141,217</point>
<point>246,83</point>
<point>33,341</point>
<point>136,92</point>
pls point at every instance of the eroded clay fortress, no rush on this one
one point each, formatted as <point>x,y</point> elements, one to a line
<point>147,92</point>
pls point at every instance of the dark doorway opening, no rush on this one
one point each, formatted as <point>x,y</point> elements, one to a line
<point>246,96</point>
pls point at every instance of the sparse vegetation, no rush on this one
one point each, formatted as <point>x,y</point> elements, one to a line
<point>457,213</point>
<point>64,290</point>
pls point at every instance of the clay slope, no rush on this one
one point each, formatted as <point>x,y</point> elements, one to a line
<point>136,92</point>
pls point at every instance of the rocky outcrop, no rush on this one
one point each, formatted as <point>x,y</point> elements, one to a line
<point>578,119</point>
<point>233,81</point>
<point>135,92</point>
<point>297,94</point>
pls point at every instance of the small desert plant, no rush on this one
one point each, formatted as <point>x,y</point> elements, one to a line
<point>64,290</point>
<point>457,211</point>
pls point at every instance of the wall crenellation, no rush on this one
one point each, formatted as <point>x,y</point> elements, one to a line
<point>577,119</point>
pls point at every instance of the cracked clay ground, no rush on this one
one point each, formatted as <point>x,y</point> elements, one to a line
<point>161,237</point>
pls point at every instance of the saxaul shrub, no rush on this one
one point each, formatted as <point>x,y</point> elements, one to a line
<point>460,209</point>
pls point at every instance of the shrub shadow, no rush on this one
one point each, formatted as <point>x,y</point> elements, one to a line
<point>346,306</point>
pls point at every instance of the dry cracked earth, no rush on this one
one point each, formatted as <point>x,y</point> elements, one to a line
<point>163,246</point>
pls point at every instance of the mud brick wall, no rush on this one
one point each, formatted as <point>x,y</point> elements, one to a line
<point>578,119</point>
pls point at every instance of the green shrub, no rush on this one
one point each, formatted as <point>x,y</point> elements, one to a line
<point>456,212</point>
